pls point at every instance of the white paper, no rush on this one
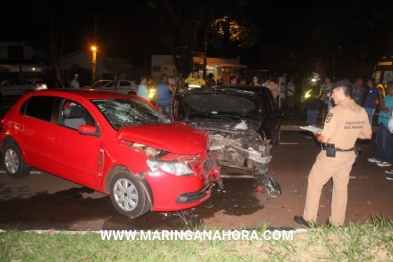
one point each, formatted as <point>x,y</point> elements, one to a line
<point>311,128</point>
<point>242,125</point>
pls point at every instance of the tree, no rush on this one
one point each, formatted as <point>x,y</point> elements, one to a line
<point>180,22</point>
<point>60,14</point>
<point>345,37</point>
<point>117,66</point>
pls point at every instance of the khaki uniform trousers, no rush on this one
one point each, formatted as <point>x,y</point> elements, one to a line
<point>323,169</point>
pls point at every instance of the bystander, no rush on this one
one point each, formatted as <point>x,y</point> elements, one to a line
<point>371,99</point>
<point>163,96</point>
<point>74,82</point>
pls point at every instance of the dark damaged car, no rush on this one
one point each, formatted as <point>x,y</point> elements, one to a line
<point>243,121</point>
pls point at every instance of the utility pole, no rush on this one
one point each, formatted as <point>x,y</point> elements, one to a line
<point>94,64</point>
<point>205,55</point>
<point>94,48</point>
<point>95,29</point>
<point>334,62</point>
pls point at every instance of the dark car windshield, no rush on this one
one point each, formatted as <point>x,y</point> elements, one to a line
<point>128,112</point>
<point>222,104</point>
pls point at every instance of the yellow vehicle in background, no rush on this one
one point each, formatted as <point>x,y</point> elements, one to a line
<point>383,72</point>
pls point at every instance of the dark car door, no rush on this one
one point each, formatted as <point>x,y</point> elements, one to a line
<point>272,121</point>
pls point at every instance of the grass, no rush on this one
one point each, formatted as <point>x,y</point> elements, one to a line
<point>372,241</point>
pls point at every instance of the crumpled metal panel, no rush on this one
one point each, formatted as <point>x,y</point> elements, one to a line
<point>239,150</point>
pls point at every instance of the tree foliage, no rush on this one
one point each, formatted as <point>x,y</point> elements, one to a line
<point>180,23</point>
<point>118,66</point>
<point>59,16</point>
<point>243,32</point>
<point>341,37</point>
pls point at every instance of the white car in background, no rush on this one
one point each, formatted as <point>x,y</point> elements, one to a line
<point>17,87</point>
<point>127,87</point>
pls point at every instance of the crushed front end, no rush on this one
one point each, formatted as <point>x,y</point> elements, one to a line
<point>241,148</point>
<point>178,181</point>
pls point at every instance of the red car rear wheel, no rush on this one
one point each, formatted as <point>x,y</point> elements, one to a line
<point>13,161</point>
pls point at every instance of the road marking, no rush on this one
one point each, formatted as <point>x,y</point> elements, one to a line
<point>31,172</point>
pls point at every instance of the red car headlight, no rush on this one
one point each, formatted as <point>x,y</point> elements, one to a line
<point>176,168</point>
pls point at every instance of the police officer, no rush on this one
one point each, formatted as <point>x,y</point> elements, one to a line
<point>194,81</point>
<point>344,124</point>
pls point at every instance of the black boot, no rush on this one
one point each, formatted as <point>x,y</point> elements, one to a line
<point>300,220</point>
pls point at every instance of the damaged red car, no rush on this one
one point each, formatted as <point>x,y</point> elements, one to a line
<point>116,144</point>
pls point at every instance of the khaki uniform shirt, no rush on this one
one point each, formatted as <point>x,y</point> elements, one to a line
<point>344,123</point>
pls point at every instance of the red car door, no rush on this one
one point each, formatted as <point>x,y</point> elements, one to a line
<point>75,155</point>
<point>33,128</point>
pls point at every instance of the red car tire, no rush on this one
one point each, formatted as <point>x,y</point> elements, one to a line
<point>127,195</point>
<point>13,161</point>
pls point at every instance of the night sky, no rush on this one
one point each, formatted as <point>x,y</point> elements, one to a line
<point>294,35</point>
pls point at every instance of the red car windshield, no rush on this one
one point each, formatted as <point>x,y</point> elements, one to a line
<point>128,112</point>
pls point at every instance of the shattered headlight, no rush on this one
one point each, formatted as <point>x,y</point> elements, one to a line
<point>176,168</point>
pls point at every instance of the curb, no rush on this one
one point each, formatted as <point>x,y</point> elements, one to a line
<point>297,128</point>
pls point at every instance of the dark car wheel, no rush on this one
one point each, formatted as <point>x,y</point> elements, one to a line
<point>127,195</point>
<point>14,164</point>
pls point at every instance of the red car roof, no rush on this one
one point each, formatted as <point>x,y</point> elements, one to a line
<point>86,93</point>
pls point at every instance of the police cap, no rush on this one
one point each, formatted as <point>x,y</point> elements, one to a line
<point>345,83</point>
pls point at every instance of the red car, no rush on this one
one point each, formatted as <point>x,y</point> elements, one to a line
<point>116,144</point>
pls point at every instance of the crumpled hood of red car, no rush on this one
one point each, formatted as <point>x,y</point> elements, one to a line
<point>176,138</point>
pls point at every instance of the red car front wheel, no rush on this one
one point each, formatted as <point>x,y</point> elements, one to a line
<point>127,195</point>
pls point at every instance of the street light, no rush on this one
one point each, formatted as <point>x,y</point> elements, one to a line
<point>94,64</point>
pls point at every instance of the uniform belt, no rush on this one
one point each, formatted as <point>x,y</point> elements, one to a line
<point>339,149</point>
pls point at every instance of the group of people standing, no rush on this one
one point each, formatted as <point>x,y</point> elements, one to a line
<point>320,100</point>
<point>283,91</point>
<point>384,139</point>
<point>165,93</point>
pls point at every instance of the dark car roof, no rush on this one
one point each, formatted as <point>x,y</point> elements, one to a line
<point>86,93</point>
<point>229,88</point>
<point>256,89</point>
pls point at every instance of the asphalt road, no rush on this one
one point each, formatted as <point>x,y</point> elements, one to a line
<point>43,201</point>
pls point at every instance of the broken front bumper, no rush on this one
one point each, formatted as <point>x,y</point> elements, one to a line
<point>200,195</point>
<point>212,175</point>
<point>172,193</point>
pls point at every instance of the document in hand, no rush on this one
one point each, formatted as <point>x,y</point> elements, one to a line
<point>311,128</point>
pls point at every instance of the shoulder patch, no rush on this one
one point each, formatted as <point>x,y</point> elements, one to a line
<point>328,117</point>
